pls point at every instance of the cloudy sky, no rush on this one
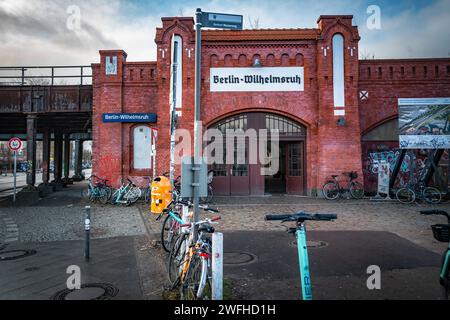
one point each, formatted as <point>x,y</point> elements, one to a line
<point>36,32</point>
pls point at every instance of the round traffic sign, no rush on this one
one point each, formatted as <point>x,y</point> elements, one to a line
<point>15,144</point>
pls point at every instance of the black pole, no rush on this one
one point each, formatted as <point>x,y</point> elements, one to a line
<point>87,228</point>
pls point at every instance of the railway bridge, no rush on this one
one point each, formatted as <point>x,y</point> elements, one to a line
<point>52,104</point>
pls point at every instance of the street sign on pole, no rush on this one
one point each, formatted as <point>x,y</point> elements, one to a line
<point>207,20</point>
<point>15,145</point>
<point>222,21</point>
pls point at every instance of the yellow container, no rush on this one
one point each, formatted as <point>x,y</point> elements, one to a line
<point>161,195</point>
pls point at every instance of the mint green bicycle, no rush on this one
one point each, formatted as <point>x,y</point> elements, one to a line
<point>302,247</point>
<point>441,233</point>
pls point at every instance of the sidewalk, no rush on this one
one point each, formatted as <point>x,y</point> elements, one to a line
<point>122,255</point>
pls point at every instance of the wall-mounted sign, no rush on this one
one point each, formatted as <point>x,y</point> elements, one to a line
<point>130,117</point>
<point>257,79</point>
<point>424,123</point>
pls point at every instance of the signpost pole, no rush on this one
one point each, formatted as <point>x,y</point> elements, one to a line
<point>197,127</point>
<point>15,176</point>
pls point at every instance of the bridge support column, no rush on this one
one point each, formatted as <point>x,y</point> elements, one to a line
<point>45,188</point>
<point>78,160</point>
<point>58,153</point>
<point>66,179</point>
<point>46,157</point>
<point>31,151</point>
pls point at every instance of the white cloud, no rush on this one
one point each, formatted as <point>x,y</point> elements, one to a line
<point>35,33</point>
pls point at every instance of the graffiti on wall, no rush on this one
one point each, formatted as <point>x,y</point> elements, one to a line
<point>374,153</point>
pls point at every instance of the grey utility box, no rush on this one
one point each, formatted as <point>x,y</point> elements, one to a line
<point>187,177</point>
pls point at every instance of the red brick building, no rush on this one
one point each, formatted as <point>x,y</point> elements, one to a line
<point>347,107</point>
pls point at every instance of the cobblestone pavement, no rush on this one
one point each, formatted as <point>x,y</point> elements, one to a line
<point>61,217</point>
<point>247,213</point>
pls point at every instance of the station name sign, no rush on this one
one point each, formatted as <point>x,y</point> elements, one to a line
<point>257,79</point>
<point>130,117</point>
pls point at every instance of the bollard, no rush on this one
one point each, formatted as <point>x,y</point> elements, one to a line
<point>217,266</point>
<point>87,229</point>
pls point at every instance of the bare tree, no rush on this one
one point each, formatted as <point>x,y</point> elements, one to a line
<point>365,55</point>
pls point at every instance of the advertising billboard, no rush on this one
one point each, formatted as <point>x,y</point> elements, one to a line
<point>424,123</point>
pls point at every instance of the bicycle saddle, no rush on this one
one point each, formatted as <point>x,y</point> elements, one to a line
<point>207,229</point>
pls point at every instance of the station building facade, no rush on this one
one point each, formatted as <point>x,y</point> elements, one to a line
<point>343,110</point>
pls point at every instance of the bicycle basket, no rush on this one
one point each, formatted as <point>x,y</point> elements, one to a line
<point>441,232</point>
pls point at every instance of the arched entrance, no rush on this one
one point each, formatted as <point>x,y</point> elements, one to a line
<point>246,179</point>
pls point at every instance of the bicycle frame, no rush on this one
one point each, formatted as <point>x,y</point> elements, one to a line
<point>302,249</point>
<point>121,192</point>
<point>445,266</point>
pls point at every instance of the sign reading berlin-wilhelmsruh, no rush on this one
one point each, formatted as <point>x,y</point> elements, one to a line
<point>257,79</point>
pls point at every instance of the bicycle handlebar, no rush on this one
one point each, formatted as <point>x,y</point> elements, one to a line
<point>204,207</point>
<point>213,219</point>
<point>300,217</point>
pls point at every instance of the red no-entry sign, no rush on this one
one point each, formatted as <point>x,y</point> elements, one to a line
<point>15,144</point>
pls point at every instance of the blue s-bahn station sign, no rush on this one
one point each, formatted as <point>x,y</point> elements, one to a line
<point>130,117</point>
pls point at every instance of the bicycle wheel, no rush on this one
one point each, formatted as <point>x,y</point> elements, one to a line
<point>86,194</point>
<point>432,195</point>
<point>177,259</point>
<point>330,191</point>
<point>169,232</point>
<point>114,197</point>
<point>196,285</point>
<point>103,195</point>
<point>405,195</point>
<point>133,195</point>
<point>356,190</point>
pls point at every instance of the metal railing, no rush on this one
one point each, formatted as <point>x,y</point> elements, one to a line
<point>28,76</point>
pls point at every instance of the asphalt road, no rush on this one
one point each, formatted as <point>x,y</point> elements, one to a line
<point>338,269</point>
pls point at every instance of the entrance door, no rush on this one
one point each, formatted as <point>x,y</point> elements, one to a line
<point>295,168</point>
<point>231,180</point>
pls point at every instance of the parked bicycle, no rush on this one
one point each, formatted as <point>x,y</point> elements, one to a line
<point>127,194</point>
<point>300,234</point>
<point>98,190</point>
<point>171,227</point>
<point>419,191</point>
<point>189,263</point>
<point>332,189</point>
<point>441,233</point>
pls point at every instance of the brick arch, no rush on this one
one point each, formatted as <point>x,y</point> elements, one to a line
<point>377,124</point>
<point>339,25</point>
<point>263,110</point>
